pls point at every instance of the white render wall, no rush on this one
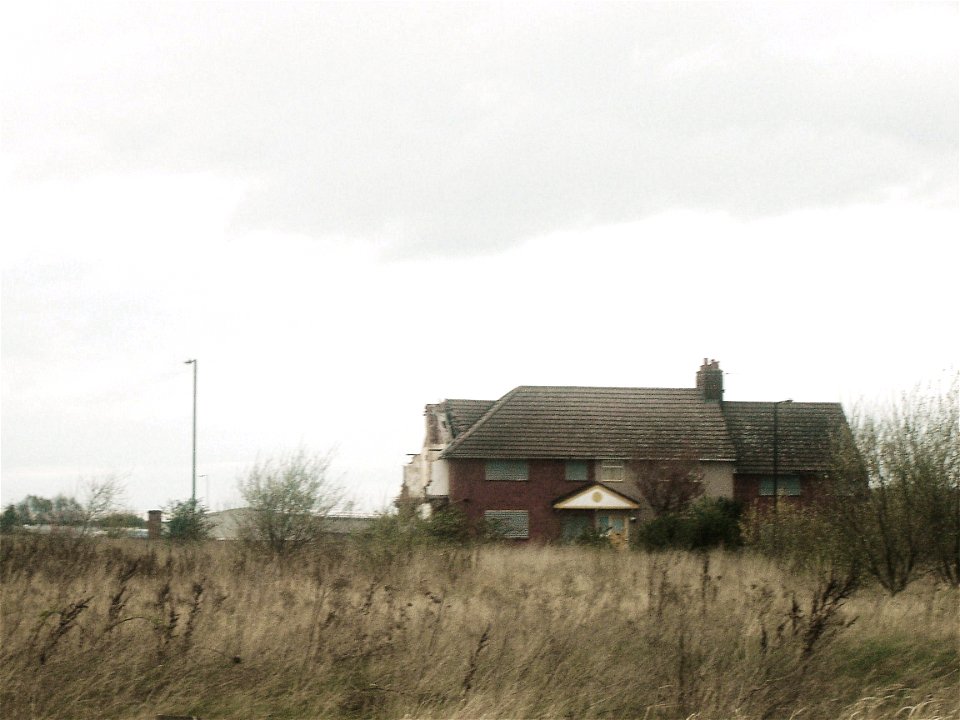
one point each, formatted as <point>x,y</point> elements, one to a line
<point>439,484</point>
<point>717,479</point>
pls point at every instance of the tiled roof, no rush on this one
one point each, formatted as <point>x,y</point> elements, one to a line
<point>462,414</point>
<point>806,435</point>
<point>584,422</point>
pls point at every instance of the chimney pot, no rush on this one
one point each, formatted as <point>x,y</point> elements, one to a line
<point>710,381</point>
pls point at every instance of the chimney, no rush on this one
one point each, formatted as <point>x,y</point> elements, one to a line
<point>710,381</point>
<point>153,524</point>
<point>430,412</point>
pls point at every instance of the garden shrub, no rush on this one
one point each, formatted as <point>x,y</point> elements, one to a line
<point>708,523</point>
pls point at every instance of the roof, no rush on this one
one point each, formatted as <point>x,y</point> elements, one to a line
<point>596,422</point>
<point>806,435</point>
<point>462,414</point>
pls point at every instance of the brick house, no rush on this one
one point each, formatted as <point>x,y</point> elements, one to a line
<point>546,463</point>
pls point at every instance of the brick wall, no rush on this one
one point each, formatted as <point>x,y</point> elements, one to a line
<point>473,494</point>
<point>746,490</point>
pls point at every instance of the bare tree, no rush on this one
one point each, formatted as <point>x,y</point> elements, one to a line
<point>288,498</point>
<point>669,478</point>
<point>102,496</point>
<point>897,489</point>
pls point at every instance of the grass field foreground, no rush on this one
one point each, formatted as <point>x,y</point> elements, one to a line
<point>127,629</point>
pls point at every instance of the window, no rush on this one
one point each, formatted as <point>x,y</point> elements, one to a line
<point>574,527</point>
<point>611,470</point>
<point>787,485</point>
<point>515,470</point>
<point>508,523</point>
<point>576,470</point>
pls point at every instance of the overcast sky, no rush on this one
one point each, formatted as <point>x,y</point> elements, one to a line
<point>347,211</point>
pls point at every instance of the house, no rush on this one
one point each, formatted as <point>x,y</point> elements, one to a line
<point>546,463</point>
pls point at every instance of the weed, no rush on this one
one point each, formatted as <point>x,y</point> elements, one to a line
<point>462,632</point>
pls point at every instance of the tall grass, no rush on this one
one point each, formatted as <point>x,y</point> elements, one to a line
<point>132,629</point>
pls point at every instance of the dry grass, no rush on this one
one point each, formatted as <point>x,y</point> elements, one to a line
<point>126,629</point>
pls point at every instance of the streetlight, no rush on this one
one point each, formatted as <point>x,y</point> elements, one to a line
<point>193,484</point>
<point>206,495</point>
<point>776,453</point>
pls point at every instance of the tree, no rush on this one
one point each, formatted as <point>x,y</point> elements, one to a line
<point>668,478</point>
<point>35,510</point>
<point>896,497</point>
<point>102,497</point>
<point>122,519</point>
<point>188,521</point>
<point>288,497</point>
<point>66,512</point>
<point>10,520</point>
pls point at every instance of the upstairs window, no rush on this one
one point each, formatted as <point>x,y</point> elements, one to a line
<point>575,470</point>
<point>787,486</point>
<point>506,470</point>
<point>612,470</point>
<point>513,524</point>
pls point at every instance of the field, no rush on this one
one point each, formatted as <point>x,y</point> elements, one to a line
<point>128,629</point>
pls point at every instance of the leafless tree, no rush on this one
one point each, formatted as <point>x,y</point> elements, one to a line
<point>288,498</point>
<point>102,496</point>
<point>669,478</point>
<point>896,496</point>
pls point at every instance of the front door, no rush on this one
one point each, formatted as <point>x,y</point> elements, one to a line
<point>614,525</point>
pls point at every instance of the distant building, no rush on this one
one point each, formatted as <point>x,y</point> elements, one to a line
<point>225,524</point>
<point>545,463</point>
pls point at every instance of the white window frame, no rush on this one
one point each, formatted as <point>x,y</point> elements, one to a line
<point>608,466</point>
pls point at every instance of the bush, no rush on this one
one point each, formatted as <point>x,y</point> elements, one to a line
<point>448,525</point>
<point>897,488</point>
<point>288,498</point>
<point>708,523</point>
<point>407,529</point>
<point>10,520</point>
<point>716,523</point>
<point>188,521</point>
<point>670,531</point>
<point>592,538</point>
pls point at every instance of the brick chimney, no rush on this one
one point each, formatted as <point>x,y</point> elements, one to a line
<point>710,381</point>
<point>153,524</point>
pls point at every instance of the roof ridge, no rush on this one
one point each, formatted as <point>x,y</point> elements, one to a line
<point>794,403</point>
<point>497,404</point>
<point>599,387</point>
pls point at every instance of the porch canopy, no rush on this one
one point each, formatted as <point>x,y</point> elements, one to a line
<point>595,497</point>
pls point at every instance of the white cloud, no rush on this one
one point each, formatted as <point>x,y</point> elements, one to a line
<point>347,211</point>
<point>460,129</point>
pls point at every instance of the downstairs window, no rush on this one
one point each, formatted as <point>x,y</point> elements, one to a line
<point>508,523</point>
<point>787,486</point>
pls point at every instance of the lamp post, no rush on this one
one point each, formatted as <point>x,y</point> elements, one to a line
<point>193,483</point>
<point>776,453</point>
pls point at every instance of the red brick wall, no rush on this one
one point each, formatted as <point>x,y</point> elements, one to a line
<point>746,490</point>
<point>473,494</point>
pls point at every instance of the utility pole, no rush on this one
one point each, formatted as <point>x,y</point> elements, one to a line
<point>193,483</point>
<point>776,459</point>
